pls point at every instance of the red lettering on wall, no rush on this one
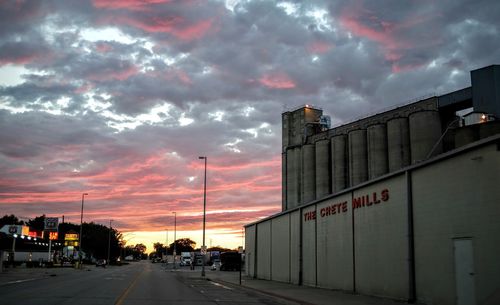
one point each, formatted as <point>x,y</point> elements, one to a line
<point>333,209</point>
<point>385,194</point>
<point>367,200</point>
<point>356,203</point>
<point>310,216</point>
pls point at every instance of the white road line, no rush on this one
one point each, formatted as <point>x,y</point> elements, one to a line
<point>20,281</point>
<point>220,285</point>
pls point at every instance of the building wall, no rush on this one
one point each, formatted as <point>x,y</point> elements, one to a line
<point>309,246</point>
<point>250,250</point>
<point>280,243</point>
<point>295,247</point>
<point>380,237</point>
<point>334,240</point>
<point>457,198</point>
<point>264,250</point>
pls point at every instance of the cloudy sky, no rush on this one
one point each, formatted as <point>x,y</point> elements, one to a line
<point>118,99</point>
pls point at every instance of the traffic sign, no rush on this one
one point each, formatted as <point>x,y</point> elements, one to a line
<point>13,229</point>
<point>203,250</point>
<point>51,223</point>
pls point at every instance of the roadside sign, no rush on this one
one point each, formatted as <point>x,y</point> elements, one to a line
<point>71,236</point>
<point>71,243</point>
<point>203,250</point>
<point>53,235</point>
<point>240,249</point>
<point>15,229</point>
<point>51,223</point>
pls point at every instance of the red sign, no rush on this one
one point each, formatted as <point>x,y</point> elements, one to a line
<point>53,235</point>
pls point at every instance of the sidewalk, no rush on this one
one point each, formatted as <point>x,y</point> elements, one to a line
<point>297,294</point>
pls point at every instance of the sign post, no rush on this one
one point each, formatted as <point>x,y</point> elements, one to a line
<point>240,251</point>
<point>51,225</point>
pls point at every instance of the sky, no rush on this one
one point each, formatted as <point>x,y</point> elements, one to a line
<point>118,99</point>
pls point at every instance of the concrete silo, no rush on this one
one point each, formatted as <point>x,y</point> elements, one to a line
<point>398,143</point>
<point>293,169</point>
<point>377,150</point>
<point>425,131</point>
<point>339,163</point>
<point>322,168</point>
<point>358,157</point>
<point>308,173</point>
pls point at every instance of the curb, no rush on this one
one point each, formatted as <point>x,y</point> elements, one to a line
<point>264,292</point>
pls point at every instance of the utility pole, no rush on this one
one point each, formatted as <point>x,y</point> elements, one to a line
<point>109,241</point>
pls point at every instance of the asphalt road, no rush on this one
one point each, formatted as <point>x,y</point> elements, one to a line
<point>140,283</point>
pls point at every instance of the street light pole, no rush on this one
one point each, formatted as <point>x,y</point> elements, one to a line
<point>109,240</point>
<point>204,215</point>
<point>81,232</point>
<point>175,232</point>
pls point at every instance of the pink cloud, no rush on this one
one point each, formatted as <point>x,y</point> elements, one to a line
<point>277,81</point>
<point>184,77</point>
<point>18,60</point>
<point>109,74</point>
<point>127,4</point>
<point>176,26</point>
<point>103,47</point>
<point>389,35</point>
<point>319,47</point>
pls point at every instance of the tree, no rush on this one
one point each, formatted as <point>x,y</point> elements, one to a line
<point>37,223</point>
<point>219,248</point>
<point>140,248</point>
<point>182,245</point>
<point>136,251</point>
<point>159,249</point>
<point>10,220</point>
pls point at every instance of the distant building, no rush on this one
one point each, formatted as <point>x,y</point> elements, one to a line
<point>403,204</point>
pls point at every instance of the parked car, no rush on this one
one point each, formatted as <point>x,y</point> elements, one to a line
<point>101,263</point>
<point>185,261</point>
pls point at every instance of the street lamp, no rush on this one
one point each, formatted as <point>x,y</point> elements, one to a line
<point>175,232</point>
<point>109,240</point>
<point>204,248</point>
<point>80,237</point>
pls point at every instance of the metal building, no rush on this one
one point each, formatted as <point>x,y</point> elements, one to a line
<point>403,204</point>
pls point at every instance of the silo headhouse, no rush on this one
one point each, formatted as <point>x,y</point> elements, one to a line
<point>403,204</point>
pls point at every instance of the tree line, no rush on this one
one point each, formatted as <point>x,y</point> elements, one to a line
<point>181,245</point>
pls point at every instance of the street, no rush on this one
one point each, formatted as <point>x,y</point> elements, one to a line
<point>139,283</point>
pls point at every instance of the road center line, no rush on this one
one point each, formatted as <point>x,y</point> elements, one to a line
<point>120,299</point>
